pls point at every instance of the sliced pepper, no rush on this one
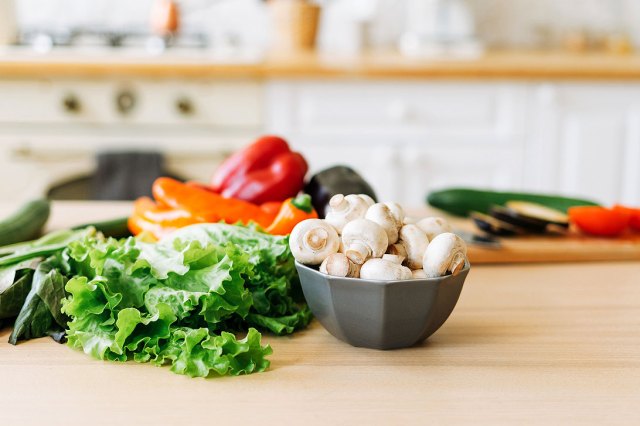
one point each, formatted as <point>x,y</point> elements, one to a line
<point>206,206</point>
<point>292,212</point>
<point>266,170</point>
<point>599,221</point>
<point>634,216</point>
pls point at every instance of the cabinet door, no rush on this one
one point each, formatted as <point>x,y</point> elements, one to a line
<point>586,142</point>
<point>427,169</point>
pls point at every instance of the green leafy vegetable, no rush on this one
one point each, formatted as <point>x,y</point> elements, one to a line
<point>15,284</point>
<point>40,315</point>
<point>173,302</point>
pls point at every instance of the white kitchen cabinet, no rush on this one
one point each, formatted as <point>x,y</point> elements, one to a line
<point>220,104</point>
<point>406,138</point>
<point>585,141</point>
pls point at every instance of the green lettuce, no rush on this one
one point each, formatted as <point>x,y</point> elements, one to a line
<point>174,302</point>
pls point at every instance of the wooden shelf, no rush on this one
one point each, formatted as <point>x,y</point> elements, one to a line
<point>379,65</point>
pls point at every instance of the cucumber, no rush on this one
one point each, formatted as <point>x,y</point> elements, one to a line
<point>115,228</point>
<point>26,223</point>
<point>462,201</point>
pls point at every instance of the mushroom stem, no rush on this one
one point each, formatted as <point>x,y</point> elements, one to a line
<point>338,265</point>
<point>316,239</point>
<point>358,253</point>
<point>457,264</point>
<point>397,249</point>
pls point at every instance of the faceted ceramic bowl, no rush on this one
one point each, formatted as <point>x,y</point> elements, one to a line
<point>380,314</point>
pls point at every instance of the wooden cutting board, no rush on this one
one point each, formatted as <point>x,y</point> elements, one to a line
<point>573,248</point>
<point>551,248</point>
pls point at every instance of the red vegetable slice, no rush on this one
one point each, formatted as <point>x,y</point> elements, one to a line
<point>599,221</point>
<point>634,216</point>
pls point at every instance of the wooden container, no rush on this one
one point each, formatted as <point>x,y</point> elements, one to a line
<point>295,25</point>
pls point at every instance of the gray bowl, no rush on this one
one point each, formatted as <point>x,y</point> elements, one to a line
<point>380,314</point>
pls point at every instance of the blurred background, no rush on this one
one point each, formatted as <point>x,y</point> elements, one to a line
<point>98,98</point>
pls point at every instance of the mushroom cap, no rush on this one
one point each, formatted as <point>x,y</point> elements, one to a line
<point>409,220</point>
<point>370,201</point>
<point>380,269</point>
<point>363,237</point>
<point>312,241</point>
<point>446,253</point>
<point>434,226</point>
<point>397,210</point>
<point>382,215</point>
<point>343,209</point>
<point>415,242</point>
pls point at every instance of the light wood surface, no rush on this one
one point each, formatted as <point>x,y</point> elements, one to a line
<point>525,345</point>
<point>558,249</point>
<point>372,65</point>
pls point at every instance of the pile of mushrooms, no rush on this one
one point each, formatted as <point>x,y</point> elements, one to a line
<point>362,239</point>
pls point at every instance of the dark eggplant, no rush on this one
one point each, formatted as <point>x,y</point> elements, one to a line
<point>494,226</point>
<point>512,217</point>
<point>539,212</point>
<point>335,180</point>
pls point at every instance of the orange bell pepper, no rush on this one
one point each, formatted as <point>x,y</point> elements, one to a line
<point>179,205</point>
<point>292,212</point>
<point>157,220</point>
<point>206,206</point>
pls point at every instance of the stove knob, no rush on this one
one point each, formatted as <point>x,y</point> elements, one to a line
<point>184,106</point>
<point>125,102</point>
<point>71,104</point>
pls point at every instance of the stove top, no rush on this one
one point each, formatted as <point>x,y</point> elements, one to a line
<point>47,41</point>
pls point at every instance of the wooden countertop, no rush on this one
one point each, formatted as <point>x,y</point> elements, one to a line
<point>381,65</point>
<point>526,344</point>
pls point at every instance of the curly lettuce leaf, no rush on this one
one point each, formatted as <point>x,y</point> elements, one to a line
<point>173,302</point>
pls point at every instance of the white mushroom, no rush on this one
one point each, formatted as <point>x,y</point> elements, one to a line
<point>370,201</point>
<point>380,269</point>
<point>418,274</point>
<point>415,242</point>
<point>343,209</point>
<point>312,241</point>
<point>383,216</point>
<point>434,226</point>
<point>338,265</point>
<point>397,249</point>
<point>409,220</point>
<point>363,239</point>
<point>397,210</point>
<point>446,253</point>
<point>393,258</point>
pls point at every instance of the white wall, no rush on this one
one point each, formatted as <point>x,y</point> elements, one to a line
<point>503,23</point>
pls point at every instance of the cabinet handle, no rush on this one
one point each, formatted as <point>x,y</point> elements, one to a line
<point>71,104</point>
<point>185,106</point>
<point>125,102</point>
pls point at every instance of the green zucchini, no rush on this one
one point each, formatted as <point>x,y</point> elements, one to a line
<point>115,228</point>
<point>462,201</point>
<point>26,223</point>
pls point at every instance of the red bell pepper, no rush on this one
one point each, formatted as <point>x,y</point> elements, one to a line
<point>265,171</point>
<point>634,216</point>
<point>599,221</point>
